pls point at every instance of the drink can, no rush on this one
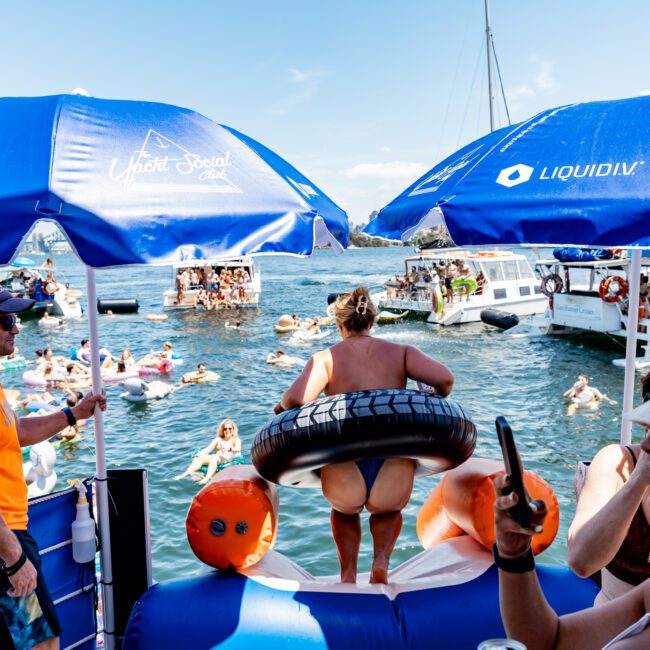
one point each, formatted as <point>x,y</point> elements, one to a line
<point>500,644</point>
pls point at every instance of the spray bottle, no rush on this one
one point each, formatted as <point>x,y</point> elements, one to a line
<point>84,544</point>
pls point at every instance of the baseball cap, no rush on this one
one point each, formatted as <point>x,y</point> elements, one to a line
<point>9,304</point>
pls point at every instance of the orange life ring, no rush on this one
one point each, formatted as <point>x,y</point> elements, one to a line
<point>233,521</point>
<point>617,294</point>
<point>552,284</point>
<point>463,503</point>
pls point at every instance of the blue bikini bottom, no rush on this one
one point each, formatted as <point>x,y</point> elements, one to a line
<point>369,469</point>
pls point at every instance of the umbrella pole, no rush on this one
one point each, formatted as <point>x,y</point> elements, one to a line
<point>634,283</point>
<point>100,468</point>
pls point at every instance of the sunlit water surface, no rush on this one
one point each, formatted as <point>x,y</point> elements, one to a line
<point>522,379</point>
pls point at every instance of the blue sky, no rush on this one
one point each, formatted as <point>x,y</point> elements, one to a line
<point>362,96</point>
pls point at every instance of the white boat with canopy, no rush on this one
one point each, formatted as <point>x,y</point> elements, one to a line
<point>38,283</point>
<point>497,280</point>
<point>242,288</point>
<point>591,296</point>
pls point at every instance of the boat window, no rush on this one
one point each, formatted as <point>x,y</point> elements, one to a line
<point>494,272</point>
<point>510,270</point>
<point>499,294</point>
<point>524,291</point>
<point>525,272</point>
<point>538,289</point>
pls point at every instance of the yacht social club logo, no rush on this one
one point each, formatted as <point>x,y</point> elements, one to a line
<point>518,174</point>
<point>162,165</point>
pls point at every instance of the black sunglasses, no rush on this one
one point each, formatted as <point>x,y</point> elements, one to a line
<point>8,322</point>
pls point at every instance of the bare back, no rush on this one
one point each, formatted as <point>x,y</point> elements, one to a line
<point>366,363</point>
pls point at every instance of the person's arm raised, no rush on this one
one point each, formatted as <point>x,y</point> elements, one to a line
<point>526,614</point>
<point>421,367</point>
<point>308,386</point>
<point>606,508</point>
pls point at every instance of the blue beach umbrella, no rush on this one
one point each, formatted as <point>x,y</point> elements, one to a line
<point>141,183</point>
<point>574,175</point>
<point>145,183</point>
<point>578,174</point>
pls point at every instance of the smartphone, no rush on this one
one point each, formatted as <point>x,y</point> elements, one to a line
<point>514,470</point>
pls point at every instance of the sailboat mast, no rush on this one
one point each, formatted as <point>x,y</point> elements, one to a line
<point>488,44</point>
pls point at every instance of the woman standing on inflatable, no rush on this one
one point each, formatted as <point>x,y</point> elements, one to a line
<point>361,362</point>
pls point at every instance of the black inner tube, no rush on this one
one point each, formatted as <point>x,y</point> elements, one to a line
<point>293,446</point>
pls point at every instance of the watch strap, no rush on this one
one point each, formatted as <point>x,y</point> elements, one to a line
<point>17,566</point>
<point>72,420</point>
<point>521,564</point>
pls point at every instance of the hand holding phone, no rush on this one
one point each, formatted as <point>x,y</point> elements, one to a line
<point>514,470</point>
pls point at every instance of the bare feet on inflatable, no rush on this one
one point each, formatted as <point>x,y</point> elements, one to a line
<point>346,530</point>
<point>379,572</point>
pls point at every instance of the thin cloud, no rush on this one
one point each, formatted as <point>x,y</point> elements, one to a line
<point>305,84</point>
<point>544,79</point>
<point>395,169</point>
<point>541,83</point>
<point>644,93</point>
<point>385,149</point>
<point>520,91</point>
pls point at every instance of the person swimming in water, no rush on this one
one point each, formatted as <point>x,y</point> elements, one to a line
<point>382,486</point>
<point>225,446</point>
<point>584,396</point>
<point>282,359</point>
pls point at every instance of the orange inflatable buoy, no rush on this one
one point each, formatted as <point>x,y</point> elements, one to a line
<point>463,503</point>
<point>232,522</point>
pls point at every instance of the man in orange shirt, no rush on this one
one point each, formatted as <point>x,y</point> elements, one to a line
<point>27,614</point>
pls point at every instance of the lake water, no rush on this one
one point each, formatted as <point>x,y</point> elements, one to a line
<point>522,379</point>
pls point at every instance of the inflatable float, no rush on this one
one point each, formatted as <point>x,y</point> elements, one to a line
<point>464,285</point>
<point>31,378</point>
<point>286,324</point>
<point>463,502</point>
<point>157,317</point>
<point>305,336</point>
<point>118,306</point>
<point>15,363</point>
<point>444,597</point>
<point>197,377</point>
<point>114,377</point>
<point>501,319</point>
<point>387,317</point>
<point>294,445</point>
<point>38,471</point>
<point>139,391</point>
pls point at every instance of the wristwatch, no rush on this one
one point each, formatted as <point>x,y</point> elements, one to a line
<point>521,564</point>
<point>72,420</point>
